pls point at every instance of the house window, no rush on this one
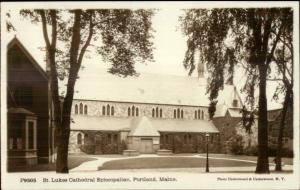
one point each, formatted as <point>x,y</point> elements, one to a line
<point>160,113</point>
<point>181,114</point>
<point>30,135</point>
<point>137,111</point>
<point>112,110</point>
<point>76,109</point>
<point>128,111</point>
<point>178,113</point>
<point>103,110</point>
<point>85,109</point>
<point>153,114</point>
<point>79,139</point>
<point>81,108</point>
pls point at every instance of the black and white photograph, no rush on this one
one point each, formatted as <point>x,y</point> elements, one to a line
<point>150,95</point>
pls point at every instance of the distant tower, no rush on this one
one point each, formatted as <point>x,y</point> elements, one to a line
<point>200,69</point>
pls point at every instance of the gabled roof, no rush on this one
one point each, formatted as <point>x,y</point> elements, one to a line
<point>141,126</point>
<point>24,111</point>
<point>16,41</point>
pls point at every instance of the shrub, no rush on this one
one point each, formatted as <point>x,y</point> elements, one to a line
<point>251,151</point>
<point>237,145</point>
<point>88,148</point>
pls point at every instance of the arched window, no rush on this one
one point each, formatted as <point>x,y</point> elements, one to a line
<point>79,139</point>
<point>160,113</point>
<point>103,110</point>
<point>156,112</point>
<point>153,114</point>
<point>85,140</point>
<point>108,109</point>
<point>76,109</point>
<point>81,108</point>
<point>190,138</point>
<point>128,111</point>
<point>178,113</point>
<point>175,113</point>
<point>115,138</point>
<point>109,139</point>
<point>181,114</point>
<point>85,109</point>
<point>198,114</point>
<point>112,110</point>
<point>195,114</point>
<point>133,110</point>
<point>137,111</point>
<point>202,114</point>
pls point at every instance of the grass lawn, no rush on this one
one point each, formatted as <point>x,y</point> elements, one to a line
<point>73,162</point>
<point>169,162</point>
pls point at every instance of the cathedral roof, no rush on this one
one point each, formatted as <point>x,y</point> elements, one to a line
<point>149,88</point>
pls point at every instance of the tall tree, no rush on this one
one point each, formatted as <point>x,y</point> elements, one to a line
<point>248,35</point>
<point>284,59</point>
<point>125,39</point>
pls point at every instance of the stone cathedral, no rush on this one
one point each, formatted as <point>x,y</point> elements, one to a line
<point>145,114</point>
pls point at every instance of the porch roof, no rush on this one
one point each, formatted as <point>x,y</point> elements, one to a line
<point>140,126</point>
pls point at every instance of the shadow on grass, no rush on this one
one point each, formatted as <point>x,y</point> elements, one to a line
<point>73,162</point>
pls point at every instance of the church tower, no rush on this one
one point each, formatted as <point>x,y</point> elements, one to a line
<point>200,69</point>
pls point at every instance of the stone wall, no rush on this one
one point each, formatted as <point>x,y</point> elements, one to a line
<point>121,109</point>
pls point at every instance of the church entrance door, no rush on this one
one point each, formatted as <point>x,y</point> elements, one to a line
<point>146,146</point>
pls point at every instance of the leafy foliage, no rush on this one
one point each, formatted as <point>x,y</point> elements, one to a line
<point>125,39</point>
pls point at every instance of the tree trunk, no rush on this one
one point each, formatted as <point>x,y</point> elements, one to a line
<point>278,166</point>
<point>262,159</point>
<point>62,150</point>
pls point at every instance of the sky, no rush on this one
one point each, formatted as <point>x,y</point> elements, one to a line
<point>169,43</point>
